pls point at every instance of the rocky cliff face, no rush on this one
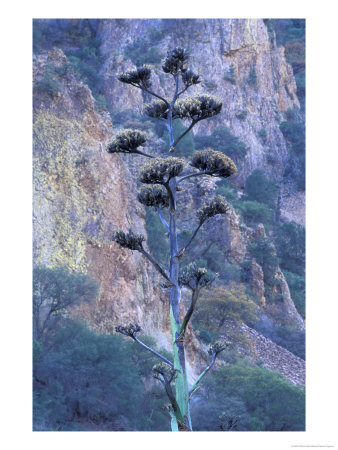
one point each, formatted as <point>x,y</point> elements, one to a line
<point>243,46</point>
<point>82,194</point>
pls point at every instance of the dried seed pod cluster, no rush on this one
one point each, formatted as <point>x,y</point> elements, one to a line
<point>193,274</point>
<point>128,240</point>
<point>189,78</point>
<point>197,108</point>
<point>155,196</point>
<point>167,372</point>
<point>217,205</point>
<point>157,109</point>
<point>218,347</point>
<point>213,162</point>
<point>127,141</point>
<point>129,330</point>
<point>161,170</point>
<point>138,77</point>
<point>175,61</point>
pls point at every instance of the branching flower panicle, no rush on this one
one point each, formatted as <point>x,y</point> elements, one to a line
<point>217,205</point>
<point>192,275</point>
<point>157,109</point>
<point>161,170</point>
<point>128,240</point>
<point>189,78</point>
<point>129,330</point>
<point>127,141</point>
<point>175,61</point>
<point>155,196</point>
<point>138,77</point>
<point>166,372</point>
<point>197,108</point>
<point>218,347</point>
<point>213,162</point>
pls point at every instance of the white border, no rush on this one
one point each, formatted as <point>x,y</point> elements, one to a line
<point>322,221</point>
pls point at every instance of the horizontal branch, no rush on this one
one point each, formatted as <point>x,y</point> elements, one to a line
<point>155,264</point>
<point>144,154</point>
<point>152,351</point>
<point>195,174</point>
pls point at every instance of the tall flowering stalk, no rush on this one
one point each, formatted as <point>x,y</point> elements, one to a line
<point>161,177</point>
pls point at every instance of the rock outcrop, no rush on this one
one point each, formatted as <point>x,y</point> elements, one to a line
<point>262,350</point>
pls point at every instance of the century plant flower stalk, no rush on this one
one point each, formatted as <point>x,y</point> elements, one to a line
<point>161,177</point>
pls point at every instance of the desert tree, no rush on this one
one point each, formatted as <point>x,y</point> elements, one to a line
<point>55,290</point>
<point>162,178</point>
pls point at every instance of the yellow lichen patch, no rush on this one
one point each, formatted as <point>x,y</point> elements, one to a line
<point>60,198</point>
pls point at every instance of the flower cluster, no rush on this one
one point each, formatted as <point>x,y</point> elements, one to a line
<point>168,373</point>
<point>127,141</point>
<point>217,205</point>
<point>218,347</point>
<point>139,77</point>
<point>157,109</point>
<point>128,240</point>
<point>155,195</point>
<point>129,330</point>
<point>215,163</point>
<point>161,170</point>
<point>176,61</point>
<point>193,274</point>
<point>189,78</point>
<point>197,108</point>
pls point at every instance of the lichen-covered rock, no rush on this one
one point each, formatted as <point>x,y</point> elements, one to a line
<point>81,195</point>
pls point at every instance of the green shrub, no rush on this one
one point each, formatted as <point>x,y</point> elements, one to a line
<point>252,79</point>
<point>260,189</point>
<point>55,290</point>
<point>262,133</point>
<point>296,285</point>
<point>241,115</point>
<point>219,304</point>
<point>49,84</point>
<point>81,380</point>
<point>290,338</point>
<point>300,81</point>
<point>222,140</point>
<point>264,252</point>
<point>208,337</point>
<point>263,400</point>
<point>290,245</point>
<point>254,212</point>
<point>143,51</point>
